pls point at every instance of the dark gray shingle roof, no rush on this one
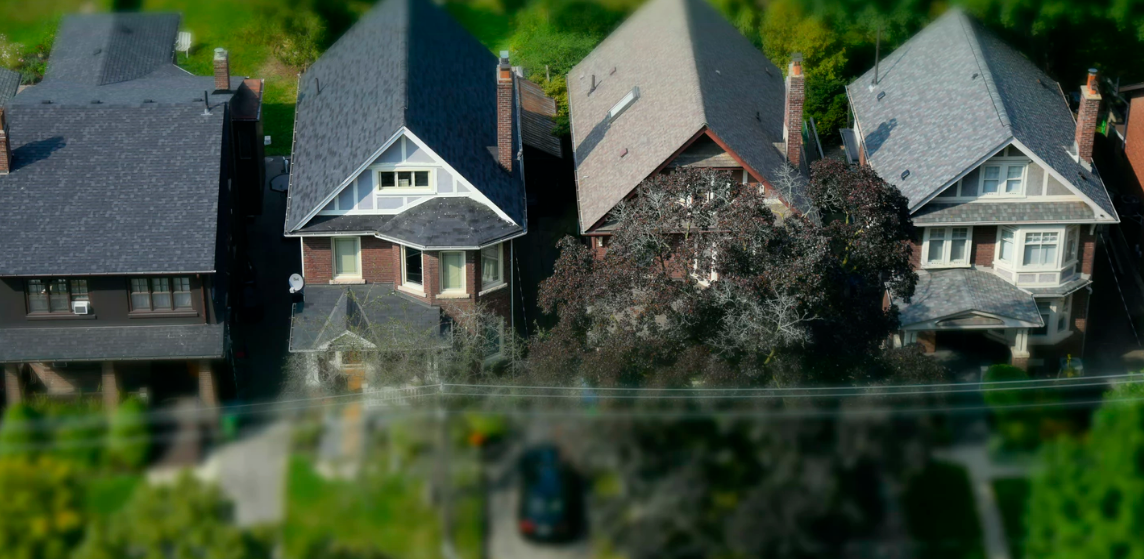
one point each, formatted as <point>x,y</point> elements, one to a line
<point>111,189</point>
<point>375,312</point>
<point>954,94</point>
<point>406,63</point>
<point>201,341</point>
<point>943,293</point>
<point>693,69</point>
<point>9,83</point>
<point>445,222</point>
<point>101,49</point>
<point>1003,212</point>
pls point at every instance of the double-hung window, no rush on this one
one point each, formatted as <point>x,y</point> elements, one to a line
<point>54,295</point>
<point>1040,249</point>
<point>492,267</point>
<point>161,294</point>
<point>452,272</point>
<point>1007,179</point>
<point>347,257</point>
<point>411,267</point>
<point>946,246</point>
<point>1007,246</point>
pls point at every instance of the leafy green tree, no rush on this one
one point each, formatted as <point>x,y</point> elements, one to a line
<point>1086,499</point>
<point>41,516</point>
<point>127,443</point>
<point>187,520</point>
<point>18,433</point>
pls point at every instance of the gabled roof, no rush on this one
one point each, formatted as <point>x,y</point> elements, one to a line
<point>442,222</point>
<point>948,293</point>
<point>406,64</point>
<point>9,83</point>
<point>374,312</point>
<point>101,49</point>
<point>955,94</point>
<point>536,113</point>
<point>693,70</point>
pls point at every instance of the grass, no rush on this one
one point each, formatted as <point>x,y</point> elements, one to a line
<point>1013,500</point>
<point>941,515</point>
<point>105,495</point>
<point>385,512</point>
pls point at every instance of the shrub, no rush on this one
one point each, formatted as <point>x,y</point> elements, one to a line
<point>78,433</point>
<point>128,443</point>
<point>18,433</point>
<point>41,512</point>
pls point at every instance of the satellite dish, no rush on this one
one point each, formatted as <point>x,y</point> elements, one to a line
<point>296,283</point>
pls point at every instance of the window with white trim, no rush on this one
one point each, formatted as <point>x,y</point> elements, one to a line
<point>347,257</point>
<point>1040,249</point>
<point>1004,179</point>
<point>1055,313</point>
<point>412,265</point>
<point>1007,245</point>
<point>452,272</point>
<point>494,338</point>
<point>404,179</point>
<point>492,266</point>
<point>946,247</point>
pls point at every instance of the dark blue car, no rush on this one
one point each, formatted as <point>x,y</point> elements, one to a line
<point>549,500</point>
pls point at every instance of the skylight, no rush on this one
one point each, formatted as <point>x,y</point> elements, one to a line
<point>624,103</point>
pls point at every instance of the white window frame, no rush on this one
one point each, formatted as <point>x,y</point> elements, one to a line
<point>403,190</point>
<point>499,281</point>
<point>441,272</point>
<point>499,326</point>
<point>1058,309</point>
<point>404,277</point>
<point>1011,262</point>
<point>1003,165</point>
<point>334,255</point>
<point>1055,265</point>
<point>947,249</point>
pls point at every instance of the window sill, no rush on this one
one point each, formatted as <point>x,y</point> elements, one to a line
<point>59,316</point>
<point>452,295</point>
<point>347,281</point>
<point>410,289</point>
<point>941,266</point>
<point>162,314</point>
<point>496,287</point>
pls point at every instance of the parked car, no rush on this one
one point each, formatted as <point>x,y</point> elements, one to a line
<point>549,497</point>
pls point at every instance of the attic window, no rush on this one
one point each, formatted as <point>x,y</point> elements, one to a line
<point>624,103</point>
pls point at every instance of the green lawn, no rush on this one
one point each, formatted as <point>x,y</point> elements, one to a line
<point>388,513</point>
<point>1013,500</point>
<point>941,515</point>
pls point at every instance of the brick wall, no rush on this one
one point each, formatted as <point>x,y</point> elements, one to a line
<point>1087,249</point>
<point>916,251</point>
<point>984,245</point>
<point>317,261</point>
<point>378,262</point>
<point>1134,140</point>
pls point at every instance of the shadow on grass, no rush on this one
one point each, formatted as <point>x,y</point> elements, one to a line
<point>941,514</point>
<point>278,123</point>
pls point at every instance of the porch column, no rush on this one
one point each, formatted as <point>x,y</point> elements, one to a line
<point>208,394</point>
<point>110,386</point>
<point>1020,349</point>
<point>13,384</point>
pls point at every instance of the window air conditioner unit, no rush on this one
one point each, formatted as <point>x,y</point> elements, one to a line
<point>81,307</point>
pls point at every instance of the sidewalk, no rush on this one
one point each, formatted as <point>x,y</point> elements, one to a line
<point>982,472</point>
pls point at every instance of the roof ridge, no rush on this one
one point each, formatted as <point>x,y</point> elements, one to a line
<point>967,27</point>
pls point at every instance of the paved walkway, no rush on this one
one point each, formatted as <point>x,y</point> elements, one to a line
<point>982,472</point>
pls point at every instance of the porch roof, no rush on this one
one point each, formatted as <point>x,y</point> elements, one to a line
<point>950,293</point>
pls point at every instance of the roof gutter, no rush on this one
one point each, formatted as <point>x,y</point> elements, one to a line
<point>105,274</point>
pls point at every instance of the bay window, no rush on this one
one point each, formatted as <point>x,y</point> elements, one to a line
<point>347,257</point>
<point>946,247</point>
<point>1040,249</point>
<point>452,272</point>
<point>492,273</point>
<point>54,295</point>
<point>1038,256</point>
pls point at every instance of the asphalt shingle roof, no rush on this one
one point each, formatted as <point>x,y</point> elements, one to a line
<point>101,49</point>
<point>445,222</point>
<point>9,83</point>
<point>374,311</point>
<point>1006,212</point>
<point>693,69</point>
<point>194,341</point>
<point>944,293</point>
<point>953,95</point>
<point>406,63</point>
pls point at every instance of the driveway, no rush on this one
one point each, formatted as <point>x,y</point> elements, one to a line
<point>503,484</point>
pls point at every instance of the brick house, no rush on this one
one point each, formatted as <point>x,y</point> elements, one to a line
<point>120,174</point>
<point>407,175</point>
<point>676,85</point>
<point>1000,183</point>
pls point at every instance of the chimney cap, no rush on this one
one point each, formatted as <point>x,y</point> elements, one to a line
<point>1092,71</point>
<point>796,58</point>
<point>220,54</point>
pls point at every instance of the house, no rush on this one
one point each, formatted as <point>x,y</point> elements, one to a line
<point>118,170</point>
<point>1132,132</point>
<point>676,85</point>
<point>406,177</point>
<point>1000,182</point>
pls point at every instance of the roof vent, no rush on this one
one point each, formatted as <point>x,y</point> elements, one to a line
<point>881,94</point>
<point>974,76</point>
<point>148,100</point>
<point>624,103</point>
<point>95,101</point>
<point>905,174</point>
<point>758,116</point>
<point>613,71</point>
<point>623,152</point>
<point>45,102</point>
<point>96,52</point>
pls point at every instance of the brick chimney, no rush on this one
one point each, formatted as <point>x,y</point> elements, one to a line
<point>792,111</point>
<point>221,70</point>
<point>5,145</point>
<point>504,111</point>
<point>1086,116</point>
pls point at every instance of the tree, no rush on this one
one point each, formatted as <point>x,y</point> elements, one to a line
<point>181,521</point>
<point>19,434</point>
<point>1085,500</point>
<point>702,280</point>
<point>41,514</point>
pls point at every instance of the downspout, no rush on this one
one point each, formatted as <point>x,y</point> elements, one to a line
<point>203,292</point>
